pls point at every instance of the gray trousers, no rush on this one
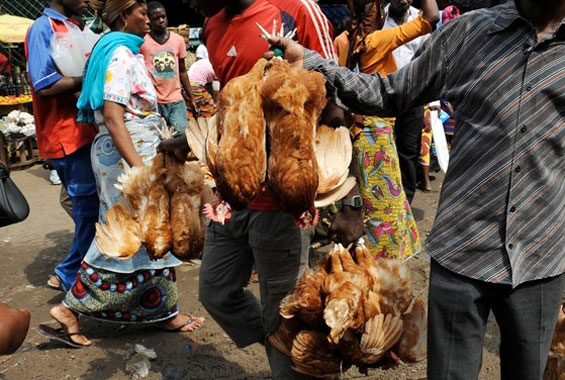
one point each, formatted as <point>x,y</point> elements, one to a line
<point>458,311</point>
<point>279,250</point>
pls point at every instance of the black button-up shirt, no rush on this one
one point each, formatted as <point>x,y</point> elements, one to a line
<point>501,216</point>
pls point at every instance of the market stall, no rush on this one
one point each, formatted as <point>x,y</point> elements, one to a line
<point>17,130</point>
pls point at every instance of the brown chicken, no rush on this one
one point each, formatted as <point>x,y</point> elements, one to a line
<point>371,317</point>
<point>141,216</point>
<point>185,184</point>
<point>160,208</point>
<point>293,100</point>
<point>241,156</point>
<point>306,300</point>
<point>313,355</point>
<point>555,368</point>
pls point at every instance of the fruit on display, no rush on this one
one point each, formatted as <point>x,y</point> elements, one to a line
<point>11,99</point>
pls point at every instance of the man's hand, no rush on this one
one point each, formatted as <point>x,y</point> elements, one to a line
<point>293,51</point>
<point>348,225</point>
<point>178,146</point>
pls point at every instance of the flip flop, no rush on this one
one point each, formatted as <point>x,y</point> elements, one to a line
<point>51,282</point>
<point>59,335</point>
<point>191,319</point>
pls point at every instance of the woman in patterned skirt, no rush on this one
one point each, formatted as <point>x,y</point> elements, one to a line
<point>119,97</point>
<point>389,224</point>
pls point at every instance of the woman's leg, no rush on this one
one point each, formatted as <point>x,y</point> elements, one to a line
<point>68,320</point>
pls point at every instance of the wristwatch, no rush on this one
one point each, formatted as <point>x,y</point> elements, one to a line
<point>354,202</point>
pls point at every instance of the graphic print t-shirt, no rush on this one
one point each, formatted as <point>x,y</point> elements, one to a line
<point>162,62</point>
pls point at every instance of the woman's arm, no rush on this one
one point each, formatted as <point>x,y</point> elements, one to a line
<point>114,119</point>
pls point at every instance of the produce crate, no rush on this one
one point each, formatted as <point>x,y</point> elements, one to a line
<point>18,152</point>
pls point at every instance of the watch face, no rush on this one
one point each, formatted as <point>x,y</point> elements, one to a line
<point>357,201</point>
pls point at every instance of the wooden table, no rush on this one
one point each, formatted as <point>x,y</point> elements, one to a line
<point>7,108</point>
<point>18,153</point>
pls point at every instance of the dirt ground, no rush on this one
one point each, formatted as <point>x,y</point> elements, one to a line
<point>30,250</point>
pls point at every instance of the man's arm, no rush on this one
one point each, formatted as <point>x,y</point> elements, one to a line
<point>418,83</point>
<point>64,85</point>
<point>430,12</point>
<point>185,81</point>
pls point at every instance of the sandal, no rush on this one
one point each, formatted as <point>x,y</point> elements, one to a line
<point>54,282</point>
<point>191,319</point>
<point>59,335</point>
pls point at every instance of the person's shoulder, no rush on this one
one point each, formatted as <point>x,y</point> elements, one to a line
<point>41,26</point>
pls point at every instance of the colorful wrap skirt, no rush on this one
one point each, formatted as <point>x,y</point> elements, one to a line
<point>389,225</point>
<point>145,296</point>
<point>426,142</point>
<point>203,100</point>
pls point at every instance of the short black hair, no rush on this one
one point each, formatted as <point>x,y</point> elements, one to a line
<point>153,5</point>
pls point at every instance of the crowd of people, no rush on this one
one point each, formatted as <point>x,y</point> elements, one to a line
<point>497,241</point>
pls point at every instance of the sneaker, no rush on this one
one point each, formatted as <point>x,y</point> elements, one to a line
<point>54,178</point>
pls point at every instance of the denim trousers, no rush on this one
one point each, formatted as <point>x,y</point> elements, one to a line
<point>76,175</point>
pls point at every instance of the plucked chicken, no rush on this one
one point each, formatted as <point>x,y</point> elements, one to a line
<point>371,316</point>
<point>293,100</point>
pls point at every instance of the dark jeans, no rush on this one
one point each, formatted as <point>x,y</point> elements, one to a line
<point>75,171</point>
<point>458,312</point>
<point>408,136</point>
<point>279,250</point>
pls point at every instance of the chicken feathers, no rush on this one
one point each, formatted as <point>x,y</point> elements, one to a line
<point>241,156</point>
<point>293,100</point>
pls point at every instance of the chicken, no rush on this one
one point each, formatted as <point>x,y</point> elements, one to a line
<point>371,317</point>
<point>334,152</point>
<point>306,300</point>
<point>344,306</point>
<point>313,355</point>
<point>185,183</point>
<point>293,100</point>
<point>555,368</point>
<point>159,208</point>
<point>411,346</point>
<point>141,216</point>
<point>241,156</point>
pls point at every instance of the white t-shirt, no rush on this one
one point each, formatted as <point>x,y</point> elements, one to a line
<point>403,54</point>
<point>201,52</point>
<point>201,72</point>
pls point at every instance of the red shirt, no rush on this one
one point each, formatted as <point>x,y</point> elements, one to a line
<point>58,134</point>
<point>313,29</point>
<point>234,43</point>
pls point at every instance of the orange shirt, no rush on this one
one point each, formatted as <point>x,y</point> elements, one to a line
<point>381,43</point>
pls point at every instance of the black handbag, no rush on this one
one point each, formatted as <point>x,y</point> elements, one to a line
<point>13,205</point>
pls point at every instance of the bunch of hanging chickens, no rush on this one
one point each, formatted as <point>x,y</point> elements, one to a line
<point>352,310</point>
<point>160,208</point>
<point>264,138</point>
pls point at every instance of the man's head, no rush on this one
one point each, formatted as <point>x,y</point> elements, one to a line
<point>208,8</point>
<point>400,6</point>
<point>157,17</point>
<point>73,7</point>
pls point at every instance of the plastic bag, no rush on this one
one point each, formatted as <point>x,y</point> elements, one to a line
<point>71,50</point>
<point>440,142</point>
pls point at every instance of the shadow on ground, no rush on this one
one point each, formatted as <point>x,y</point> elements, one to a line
<point>47,258</point>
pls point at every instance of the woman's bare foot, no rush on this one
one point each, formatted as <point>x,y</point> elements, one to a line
<point>69,322</point>
<point>182,323</point>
